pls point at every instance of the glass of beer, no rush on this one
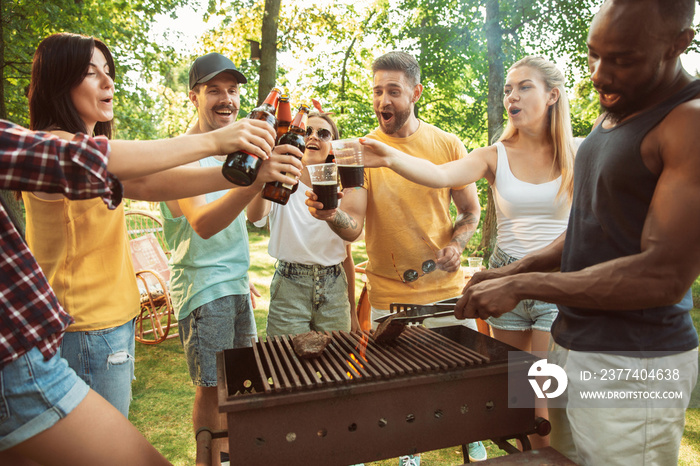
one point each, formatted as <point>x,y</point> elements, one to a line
<point>324,178</point>
<point>351,163</point>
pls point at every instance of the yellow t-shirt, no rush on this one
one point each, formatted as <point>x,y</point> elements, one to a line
<point>406,224</point>
<point>82,248</point>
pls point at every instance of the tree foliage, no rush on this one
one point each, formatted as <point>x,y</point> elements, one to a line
<point>123,25</point>
<point>323,51</point>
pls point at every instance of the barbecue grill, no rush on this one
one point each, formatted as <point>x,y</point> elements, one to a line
<point>361,401</point>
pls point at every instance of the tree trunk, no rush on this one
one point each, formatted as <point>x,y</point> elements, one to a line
<point>494,41</point>
<point>3,108</point>
<point>14,210</point>
<point>268,49</point>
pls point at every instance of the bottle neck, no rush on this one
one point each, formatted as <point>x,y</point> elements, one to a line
<point>284,112</point>
<point>299,123</point>
<point>271,102</point>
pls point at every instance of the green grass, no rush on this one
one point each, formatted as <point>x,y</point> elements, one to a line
<point>163,393</point>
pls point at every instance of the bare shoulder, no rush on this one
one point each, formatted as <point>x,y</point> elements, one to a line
<point>679,130</point>
<point>488,154</point>
<point>485,153</point>
<point>675,142</point>
<point>687,112</point>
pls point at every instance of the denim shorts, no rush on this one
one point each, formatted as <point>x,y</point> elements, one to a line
<point>104,359</point>
<point>35,394</point>
<point>308,297</point>
<point>224,323</point>
<point>529,314</point>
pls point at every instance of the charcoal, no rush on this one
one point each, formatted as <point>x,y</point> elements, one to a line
<point>310,345</point>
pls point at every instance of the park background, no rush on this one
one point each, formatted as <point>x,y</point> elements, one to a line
<point>314,49</point>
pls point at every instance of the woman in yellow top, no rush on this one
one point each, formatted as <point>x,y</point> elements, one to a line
<point>81,245</point>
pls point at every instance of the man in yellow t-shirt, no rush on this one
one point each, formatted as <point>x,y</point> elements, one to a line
<point>414,249</point>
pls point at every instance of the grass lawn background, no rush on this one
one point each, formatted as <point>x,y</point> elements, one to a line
<point>163,392</point>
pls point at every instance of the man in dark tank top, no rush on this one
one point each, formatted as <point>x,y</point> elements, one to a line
<point>632,247</point>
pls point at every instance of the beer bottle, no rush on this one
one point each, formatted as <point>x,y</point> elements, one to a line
<point>242,167</point>
<point>276,191</point>
<point>284,115</point>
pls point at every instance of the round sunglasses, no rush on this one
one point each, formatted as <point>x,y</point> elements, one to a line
<point>323,134</point>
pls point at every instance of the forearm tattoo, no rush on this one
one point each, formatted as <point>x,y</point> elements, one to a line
<point>342,221</point>
<point>464,227</point>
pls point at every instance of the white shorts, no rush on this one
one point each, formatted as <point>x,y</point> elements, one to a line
<point>620,436</point>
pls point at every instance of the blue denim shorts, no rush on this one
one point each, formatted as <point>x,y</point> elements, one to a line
<point>529,314</point>
<point>308,297</point>
<point>35,394</point>
<point>104,359</point>
<point>224,323</point>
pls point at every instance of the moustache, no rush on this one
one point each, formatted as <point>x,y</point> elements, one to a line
<point>225,107</point>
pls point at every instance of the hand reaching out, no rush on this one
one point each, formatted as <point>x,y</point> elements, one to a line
<point>254,136</point>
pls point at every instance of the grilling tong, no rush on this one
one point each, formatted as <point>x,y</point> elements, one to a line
<point>417,313</point>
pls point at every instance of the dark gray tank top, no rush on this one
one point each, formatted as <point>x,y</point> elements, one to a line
<point>612,192</point>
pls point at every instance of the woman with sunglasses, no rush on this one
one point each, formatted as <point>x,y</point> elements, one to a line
<point>314,283</point>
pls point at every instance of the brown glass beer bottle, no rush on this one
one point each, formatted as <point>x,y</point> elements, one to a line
<point>279,192</point>
<point>284,116</point>
<point>242,167</point>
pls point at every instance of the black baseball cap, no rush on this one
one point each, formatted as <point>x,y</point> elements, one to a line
<point>207,66</point>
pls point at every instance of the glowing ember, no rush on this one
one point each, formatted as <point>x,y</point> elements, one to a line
<point>352,356</point>
<point>353,368</point>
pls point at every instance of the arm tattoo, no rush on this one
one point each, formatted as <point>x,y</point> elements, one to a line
<point>343,221</point>
<point>464,228</point>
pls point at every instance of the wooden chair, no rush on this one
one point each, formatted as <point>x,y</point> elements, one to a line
<point>138,223</point>
<point>149,255</point>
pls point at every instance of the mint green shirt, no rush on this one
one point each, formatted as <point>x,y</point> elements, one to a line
<point>205,270</point>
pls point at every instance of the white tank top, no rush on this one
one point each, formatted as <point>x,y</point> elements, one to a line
<point>530,216</point>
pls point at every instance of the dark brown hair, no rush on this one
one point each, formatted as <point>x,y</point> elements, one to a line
<point>61,62</point>
<point>399,61</point>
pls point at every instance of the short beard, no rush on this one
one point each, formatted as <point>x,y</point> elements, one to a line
<point>400,119</point>
<point>610,116</point>
<point>635,105</point>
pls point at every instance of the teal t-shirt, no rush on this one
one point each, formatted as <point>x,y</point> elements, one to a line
<point>205,270</point>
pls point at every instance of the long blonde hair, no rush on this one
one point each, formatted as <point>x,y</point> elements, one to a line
<point>559,121</point>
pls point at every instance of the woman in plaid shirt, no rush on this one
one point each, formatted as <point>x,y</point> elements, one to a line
<point>47,413</point>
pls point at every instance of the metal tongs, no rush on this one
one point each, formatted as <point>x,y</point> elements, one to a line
<point>417,313</point>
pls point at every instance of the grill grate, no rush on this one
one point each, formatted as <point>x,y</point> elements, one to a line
<point>356,358</point>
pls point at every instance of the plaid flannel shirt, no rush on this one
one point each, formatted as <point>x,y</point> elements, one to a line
<point>34,161</point>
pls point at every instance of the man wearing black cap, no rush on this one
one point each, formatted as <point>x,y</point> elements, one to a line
<point>209,240</point>
<point>213,76</point>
